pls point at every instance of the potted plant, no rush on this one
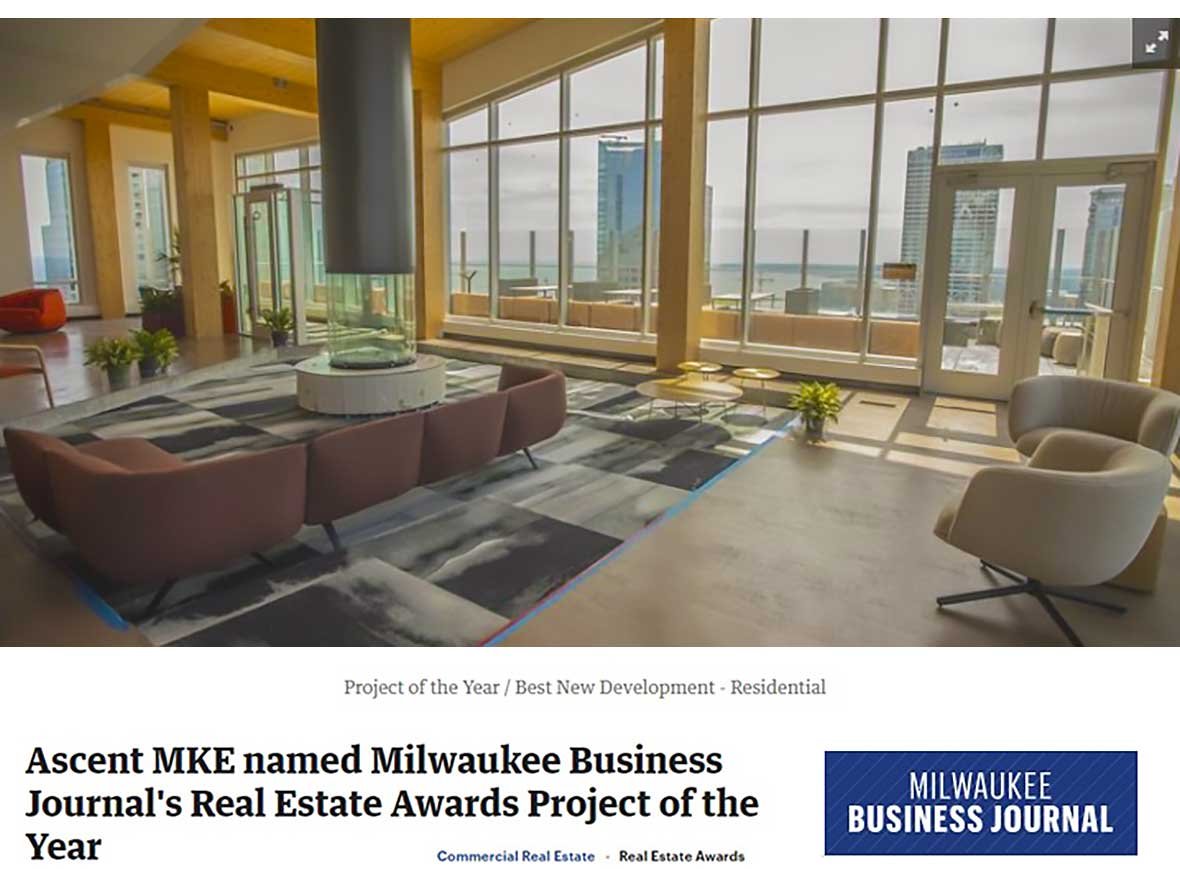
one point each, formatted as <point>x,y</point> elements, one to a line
<point>229,308</point>
<point>162,309</point>
<point>172,258</point>
<point>114,356</point>
<point>157,351</point>
<point>817,403</point>
<point>280,321</point>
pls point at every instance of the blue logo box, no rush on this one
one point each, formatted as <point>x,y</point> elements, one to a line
<point>981,802</point>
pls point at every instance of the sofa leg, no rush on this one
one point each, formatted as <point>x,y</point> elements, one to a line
<point>154,606</point>
<point>333,536</point>
<point>529,456</point>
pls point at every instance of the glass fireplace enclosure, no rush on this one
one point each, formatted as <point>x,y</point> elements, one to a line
<point>274,229</point>
<point>371,320</point>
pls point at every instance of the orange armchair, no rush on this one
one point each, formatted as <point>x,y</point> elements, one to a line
<point>42,310</point>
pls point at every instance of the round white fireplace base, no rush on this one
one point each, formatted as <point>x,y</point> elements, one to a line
<point>355,392</point>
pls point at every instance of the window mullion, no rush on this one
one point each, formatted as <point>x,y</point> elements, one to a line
<point>869,248</point>
<point>493,220</point>
<point>749,241</point>
<point>1043,113</point>
<point>565,265</point>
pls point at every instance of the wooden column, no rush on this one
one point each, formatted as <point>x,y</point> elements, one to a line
<point>104,227</point>
<point>1166,370</point>
<point>682,190</point>
<point>192,149</point>
<point>430,274</point>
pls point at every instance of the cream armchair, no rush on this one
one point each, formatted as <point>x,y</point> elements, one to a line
<point>1075,515</point>
<point>1042,405</point>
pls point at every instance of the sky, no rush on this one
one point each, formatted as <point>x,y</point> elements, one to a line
<point>814,167</point>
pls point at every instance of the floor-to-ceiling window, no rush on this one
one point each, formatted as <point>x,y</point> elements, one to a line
<point>50,218</point>
<point>151,223</point>
<point>552,199</point>
<point>1164,241</point>
<point>819,183</point>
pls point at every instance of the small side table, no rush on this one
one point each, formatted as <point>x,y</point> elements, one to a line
<point>761,376</point>
<point>702,368</point>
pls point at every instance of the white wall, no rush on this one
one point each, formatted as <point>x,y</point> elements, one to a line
<point>52,137</point>
<point>129,146</point>
<point>529,51</point>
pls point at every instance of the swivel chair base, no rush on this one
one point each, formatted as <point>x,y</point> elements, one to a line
<point>1042,594</point>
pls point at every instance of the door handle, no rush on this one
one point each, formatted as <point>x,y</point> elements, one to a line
<point>1035,308</point>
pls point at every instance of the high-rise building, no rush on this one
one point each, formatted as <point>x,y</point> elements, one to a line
<point>1101,249</point>
<point>149,198</point>
<point>620,212</point>
<point>57,241</point>
<point>973,238</point>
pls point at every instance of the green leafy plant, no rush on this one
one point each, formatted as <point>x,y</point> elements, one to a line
<point>817,402</point>
<point>172,258</point>
<point>108,353</point>
<point>153,300</point>
<point>279,320</point>
<point>159,346</point>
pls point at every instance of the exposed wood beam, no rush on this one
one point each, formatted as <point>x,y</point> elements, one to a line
<point>275,93</point>
<point>296,36</point>
<point>682,190</point>
<point>139,117</point>
<point>292,35</point>
<point>192,156</point>
<point>104,232</point>
<point>430,280</point>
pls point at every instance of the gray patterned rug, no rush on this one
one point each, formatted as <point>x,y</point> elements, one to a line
<point>448,564</point>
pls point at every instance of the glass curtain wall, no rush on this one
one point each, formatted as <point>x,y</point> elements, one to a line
<point>50,219</point>
<point>151,220</point>
<point>296,167</point>
<point>819,186</point>
<point>299,167</point>
<point>552,197</point>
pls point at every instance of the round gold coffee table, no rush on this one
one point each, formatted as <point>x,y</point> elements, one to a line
<point>702,368</point>
<point>760,375</point>
<point>680,391</point>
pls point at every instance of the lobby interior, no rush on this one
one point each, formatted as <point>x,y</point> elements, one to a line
<point>688,225</point>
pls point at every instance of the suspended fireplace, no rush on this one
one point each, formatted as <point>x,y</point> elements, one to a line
<point>366,121</point>
<point>366,116</point>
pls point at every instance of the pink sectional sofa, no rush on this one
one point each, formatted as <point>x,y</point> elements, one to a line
<point>139,514</point>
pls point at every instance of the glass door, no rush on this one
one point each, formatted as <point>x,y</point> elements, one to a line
<point>974,283</point>
<point>1034,268</point>
<point>262,280</point>
<point>1087,272</point>
<point>275,263</point>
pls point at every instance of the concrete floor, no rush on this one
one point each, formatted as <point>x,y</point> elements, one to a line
<point>72,381</point>
<point>831,544</point>
<point>804,544</point>
<point>39,607</point>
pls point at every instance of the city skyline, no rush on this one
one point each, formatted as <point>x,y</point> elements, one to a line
<point>50,225</point>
